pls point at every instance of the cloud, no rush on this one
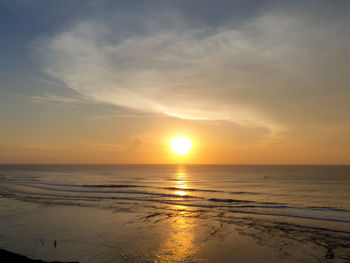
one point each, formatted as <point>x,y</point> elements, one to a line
<point>52,98</point>
<point>273,70</point>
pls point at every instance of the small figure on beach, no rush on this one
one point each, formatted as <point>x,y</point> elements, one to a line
<point>329,253</point>
<point>54,244</point>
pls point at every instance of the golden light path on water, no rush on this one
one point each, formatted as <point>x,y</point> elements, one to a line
<point>179,245</point>
<point>181,182</point>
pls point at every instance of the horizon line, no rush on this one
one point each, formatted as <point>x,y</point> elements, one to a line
<point>238,164</point>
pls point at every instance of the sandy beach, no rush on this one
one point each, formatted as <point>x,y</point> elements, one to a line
<point>172,235</point>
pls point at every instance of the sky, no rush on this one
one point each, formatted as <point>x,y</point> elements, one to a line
<point>249,82</point>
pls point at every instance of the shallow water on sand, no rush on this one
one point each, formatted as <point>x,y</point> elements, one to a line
<point>174,213</point>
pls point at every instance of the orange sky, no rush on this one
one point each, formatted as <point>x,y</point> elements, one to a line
<point>61,134</point>
<point>254,82</point>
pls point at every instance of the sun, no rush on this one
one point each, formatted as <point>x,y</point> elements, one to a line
<point>181,145</point>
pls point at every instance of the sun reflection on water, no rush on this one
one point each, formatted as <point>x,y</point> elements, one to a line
<point>179,245</point>
<point>180,193</point>
<point>181,182</point>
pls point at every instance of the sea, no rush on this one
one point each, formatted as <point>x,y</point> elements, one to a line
<point>176,213</point>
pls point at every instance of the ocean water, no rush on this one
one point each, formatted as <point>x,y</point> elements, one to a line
<point>176,213</point>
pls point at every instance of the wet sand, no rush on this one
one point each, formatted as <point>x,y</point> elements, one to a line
<point>169,235</point>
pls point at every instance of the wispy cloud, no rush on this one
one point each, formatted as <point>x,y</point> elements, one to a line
<point>52,98</point>
<point>270,68</point>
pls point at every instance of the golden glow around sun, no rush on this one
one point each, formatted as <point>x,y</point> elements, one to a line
<point>181,145</point>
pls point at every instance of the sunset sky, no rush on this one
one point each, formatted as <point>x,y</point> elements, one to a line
<point>249,82</point>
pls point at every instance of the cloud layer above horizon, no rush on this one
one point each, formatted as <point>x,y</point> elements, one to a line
<point>280,68</point>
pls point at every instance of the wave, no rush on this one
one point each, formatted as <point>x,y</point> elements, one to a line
<point>112,192</point>
<point>111,185</point>
<point>32,189</point>
<point>229,200</point>
<point>36,181</point>
<point>211,191</point>
<point>313,217</point>
<point>190,189</point>
<point>252,209</point>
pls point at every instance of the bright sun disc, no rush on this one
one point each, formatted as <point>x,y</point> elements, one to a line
<point>181,145</point>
